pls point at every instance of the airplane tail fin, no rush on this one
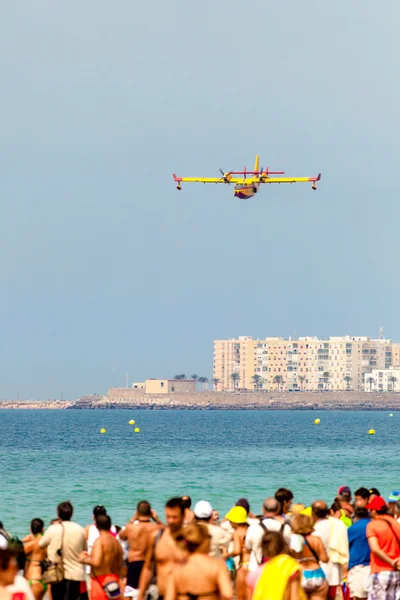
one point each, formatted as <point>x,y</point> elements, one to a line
<point>257,164</point>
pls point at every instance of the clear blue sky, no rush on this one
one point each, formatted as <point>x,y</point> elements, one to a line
<point>105,267</point>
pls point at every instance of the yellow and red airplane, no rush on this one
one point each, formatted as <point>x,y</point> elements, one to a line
<point>246,187</point>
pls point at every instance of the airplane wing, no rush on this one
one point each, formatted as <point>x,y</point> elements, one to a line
<point>289,179</point>
<point>227,179</point>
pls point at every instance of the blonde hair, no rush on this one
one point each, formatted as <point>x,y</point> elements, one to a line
<point>302,524</point>
<point>194,537</point>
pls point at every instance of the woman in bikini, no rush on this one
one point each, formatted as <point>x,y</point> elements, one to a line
<point>311,552</point>
<point>201,576</point>
<point>33,570</point>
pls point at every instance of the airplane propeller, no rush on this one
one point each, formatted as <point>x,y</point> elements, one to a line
<point>224,177</point>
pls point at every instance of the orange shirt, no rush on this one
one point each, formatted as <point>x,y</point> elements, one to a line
<point>386,539</point>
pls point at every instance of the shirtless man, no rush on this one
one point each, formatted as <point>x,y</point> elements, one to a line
<point>138,533</point>
<point>163,552</point>
<point>35,554</point>
<point>189,514</point>
<point>105,560</point>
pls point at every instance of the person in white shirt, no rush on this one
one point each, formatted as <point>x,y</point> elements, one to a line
<point>219,537</point>
<point>66,539</point>
<point>271,521</point>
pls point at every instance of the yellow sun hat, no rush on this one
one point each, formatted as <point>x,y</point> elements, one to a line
<point>237,514</point>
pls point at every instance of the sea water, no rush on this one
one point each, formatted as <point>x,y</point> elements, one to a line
<point>47,456</point>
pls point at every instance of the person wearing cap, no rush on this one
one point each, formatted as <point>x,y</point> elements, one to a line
<point>383,533</point>
<point>219,537</point>
<point>271,521</point>
<point>344,498</point>
<point>392,500</point>
<point>237,517</point>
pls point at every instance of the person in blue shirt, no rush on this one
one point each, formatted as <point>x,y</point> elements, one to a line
<point>359,570</point>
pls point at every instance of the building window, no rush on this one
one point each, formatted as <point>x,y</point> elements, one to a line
<point>162,384</point>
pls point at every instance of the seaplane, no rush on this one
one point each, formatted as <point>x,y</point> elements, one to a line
<point>250,182</point>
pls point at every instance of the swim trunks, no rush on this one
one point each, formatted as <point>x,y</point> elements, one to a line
<point>134,571</point>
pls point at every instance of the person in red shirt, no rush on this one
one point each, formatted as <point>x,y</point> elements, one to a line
<point>383,534</point>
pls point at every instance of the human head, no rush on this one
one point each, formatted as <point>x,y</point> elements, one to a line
<point>237,516</point>
<point>273,544</point>
<point>194,538</point>
<point>65,510</point>
<point>344,493</point>
<point>392,500</point>
<point>361,497</point>
<point>271,506</point>
<point>361,513</point>
<point>99,510</point>
<point>302,524</point>
<point>174,513</point>
<point>285,498</point>
<point>215,516</point>
<point>244,503</point>
<point>373,492</point>
<point>297,508</point>
<point>377,507</point>
<point>143,509</point>
<point>319,510</point>
<point>397,509</point>
<point>37,526</point>
<point>8,567</point>
<point>103,522</point>
<point>335,507</point>
<point>203,511</point>
<point>186,501</point>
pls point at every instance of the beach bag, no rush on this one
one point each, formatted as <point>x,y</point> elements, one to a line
<point>112,590</point>
<point>53,572</point>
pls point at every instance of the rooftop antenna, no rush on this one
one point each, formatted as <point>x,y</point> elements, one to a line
<point>294,335</point>
<point>381,333</point>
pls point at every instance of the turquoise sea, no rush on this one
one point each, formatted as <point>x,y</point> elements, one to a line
<point>47,456</point>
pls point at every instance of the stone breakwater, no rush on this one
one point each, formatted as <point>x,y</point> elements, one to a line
<point>119,398</point>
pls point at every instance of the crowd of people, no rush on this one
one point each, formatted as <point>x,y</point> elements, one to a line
<point>348,550</point>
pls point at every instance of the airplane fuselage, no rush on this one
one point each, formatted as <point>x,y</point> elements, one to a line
<point>245,191</point>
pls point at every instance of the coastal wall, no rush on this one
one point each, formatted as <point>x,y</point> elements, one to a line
<point>138,399</point>
<point>124,398</point>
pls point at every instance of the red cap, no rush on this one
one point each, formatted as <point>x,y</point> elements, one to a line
<point>376,504</point>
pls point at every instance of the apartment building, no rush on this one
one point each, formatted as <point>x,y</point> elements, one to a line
<point>382,380</point>
<point>309,363</point>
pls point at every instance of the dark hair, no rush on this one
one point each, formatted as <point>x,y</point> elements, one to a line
<point>5,558</point>
<point>186,501</point>
<point>374,491</point>
<point>336,506</point>
<point>37,526</point>
<point>144,509</point>
<point>362,492</point>
<point>283,495</point>
<point>273,544</point>
<point>103,522</point>
<point>244,503</point>
<point>99,510</point>
<point>65,510</point>
<point>361,513</point>
<point>1,525</point>
<point>383,511</point>
<point>320,512</point>
<point>175,503</point>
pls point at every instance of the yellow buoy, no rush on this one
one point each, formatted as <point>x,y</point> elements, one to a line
<point>136,429</point>
<point>317,421</point>
<point>390,415</point>
<point>131,422</point>
<point>371,432</point>
<point>103,430</point>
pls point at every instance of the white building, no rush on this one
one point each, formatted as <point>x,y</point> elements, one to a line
<point>382,380</point>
